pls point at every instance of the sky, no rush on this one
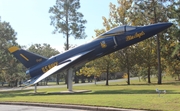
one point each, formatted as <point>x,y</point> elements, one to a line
<point>31,20</point>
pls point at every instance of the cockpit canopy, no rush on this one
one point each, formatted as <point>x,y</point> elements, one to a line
<point>117,31</point>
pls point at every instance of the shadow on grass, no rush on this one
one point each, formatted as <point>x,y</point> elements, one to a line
<point>120,91</point>
<point>125,91</point>
<point>128,91</point>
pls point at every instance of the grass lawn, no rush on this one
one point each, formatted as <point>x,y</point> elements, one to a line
<point>138,95</point>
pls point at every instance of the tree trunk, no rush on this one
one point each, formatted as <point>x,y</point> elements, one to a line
<point>107,75</point>
<point>95,80</point>
<point>82,79</point>
<point>149,77</point>
<point>159,60</point>
<point>89,80</point>
<point>107,82</point>
<point>76,78</point>
<point>67,45</point>
<point>16,83</point>
<point>19,83</point>
<point>128,81</point>
<point>67,31</point>
<point>66,78</point>
<point>158,46</point>
<point>128,69</point>
<point>139,78</point>
<point>149,67</point>
<point>57,78</point>
<point>46,81</point>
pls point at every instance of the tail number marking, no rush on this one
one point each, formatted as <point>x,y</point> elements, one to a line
<point>48,67</point>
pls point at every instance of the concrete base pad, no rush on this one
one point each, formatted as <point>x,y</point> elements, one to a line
<point>70,92</point>
<point>36,93</point>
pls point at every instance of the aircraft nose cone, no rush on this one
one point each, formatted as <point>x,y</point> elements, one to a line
<point>169,24</point>
<point>165,25</point>
<point>156,28</point>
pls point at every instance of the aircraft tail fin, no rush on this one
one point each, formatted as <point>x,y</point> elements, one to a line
<point>28,59</point>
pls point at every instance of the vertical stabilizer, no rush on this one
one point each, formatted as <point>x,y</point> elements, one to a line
<point>28,59</point>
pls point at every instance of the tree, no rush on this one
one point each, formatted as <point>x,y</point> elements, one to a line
<point>149,12</point>
<point>67,20</point>
<point>9,67</point>
<point>172,47</point>
<point>106,64</point>
<point>7,39</point>
<point>119,16</point>
<point>43,49</point>
<point>175,32</point>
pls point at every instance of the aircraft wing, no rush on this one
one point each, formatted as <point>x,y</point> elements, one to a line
<point>38,78</point>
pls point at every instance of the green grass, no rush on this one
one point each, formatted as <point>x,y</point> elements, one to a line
<point>139,95</point>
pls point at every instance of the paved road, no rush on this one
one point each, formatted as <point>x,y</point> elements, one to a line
<point>32,108</point>
<point>10,106</point>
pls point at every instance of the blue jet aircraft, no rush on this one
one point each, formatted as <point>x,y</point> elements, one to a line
<point>39,67</point>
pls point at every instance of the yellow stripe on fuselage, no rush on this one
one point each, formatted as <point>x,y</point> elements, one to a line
<point>24,57</point>
<point>13,49</point>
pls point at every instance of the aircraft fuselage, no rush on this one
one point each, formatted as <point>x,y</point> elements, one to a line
<point>99,47</point>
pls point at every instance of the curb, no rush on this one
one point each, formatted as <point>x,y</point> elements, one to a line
<point>81,107</point>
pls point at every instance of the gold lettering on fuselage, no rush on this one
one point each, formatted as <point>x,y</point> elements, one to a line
<point>136,35</point>
<point>39,60</point>
<point>103,44</point>
<point>48,67</point>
